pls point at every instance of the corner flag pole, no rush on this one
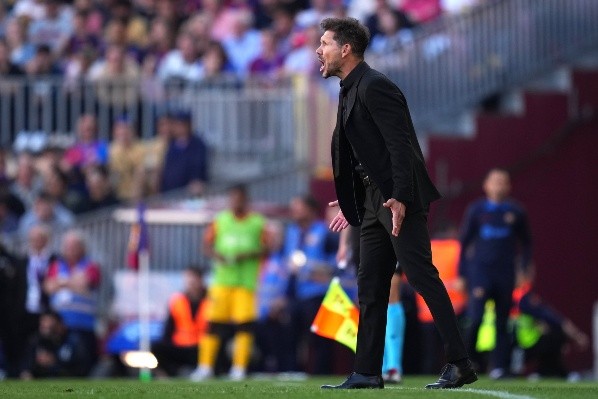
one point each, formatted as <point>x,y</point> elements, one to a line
<point>144,310</point>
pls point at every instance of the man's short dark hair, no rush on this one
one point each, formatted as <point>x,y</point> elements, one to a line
<point>498,169</point>
<point>197,270</point>
<point>311,202</point>
<point>54,315</point>
<point>238,188</point>
<point>348,31</point>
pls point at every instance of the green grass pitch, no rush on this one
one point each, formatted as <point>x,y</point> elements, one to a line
<point>411,388</point>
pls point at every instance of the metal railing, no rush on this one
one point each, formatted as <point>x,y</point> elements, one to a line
<point>455,62</point>
<point>244,125</point>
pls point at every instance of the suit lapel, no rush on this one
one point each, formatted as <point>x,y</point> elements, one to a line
<point>352,95</point>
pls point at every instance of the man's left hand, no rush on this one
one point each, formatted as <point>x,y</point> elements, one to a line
<point>398,214</point>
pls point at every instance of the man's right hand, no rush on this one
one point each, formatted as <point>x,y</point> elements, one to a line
<point>339,222</point>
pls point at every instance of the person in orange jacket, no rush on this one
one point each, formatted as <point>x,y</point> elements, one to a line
<point>184,327</point>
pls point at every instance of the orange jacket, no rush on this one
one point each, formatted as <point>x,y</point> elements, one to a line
<point>445,256</point>
<point>188,329</point>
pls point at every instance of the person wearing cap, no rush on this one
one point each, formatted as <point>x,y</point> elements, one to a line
<point>185,164</point>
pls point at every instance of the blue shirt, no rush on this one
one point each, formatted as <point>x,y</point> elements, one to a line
<point>319,247</point>
<point>184,163</point>
<point>492,237</point>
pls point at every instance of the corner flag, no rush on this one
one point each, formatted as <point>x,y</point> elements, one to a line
<point>337,317</point>
<point>138,239</point>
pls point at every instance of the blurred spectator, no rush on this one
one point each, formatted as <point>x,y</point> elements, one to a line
<point>116,35</point>
<point>72,285</point>
<point>117,80</point>
<point>29,300</point>
<point>168,10</point>
<point>95,20</point>
<point>4,177</point>
<point>244,44</point>
<point>420,11</point>
<point>7,67</point>
<point>77,69</point>
<point>160,42</point>
<point>46,211</point>
<point>39,258</point>
<point>392,33</point>
<point>42,64</point>
<point>224,18</point>
<point>155,152</point>
<point>266,68</point>
<point>13,291</point>
<point>263,11</point>
<point>383,7</point>
<point>81,39</point>
<point>87,150</point>
<point>21,50</point>
<point>126,160</point>
<point>318,10</point>
<point>274,338</point>
<point>9,222</point>
<point>301,59</point>
<point>43,73</point>
<point>135,26</point>
<point>185,326</point>
<point>494,235</point>
<point>186,163</point>
<point>198,26</point>
<point>27,183</point>
<point>217,70</point>
<point>3,18</point>
<point>100,190</point>
<point>56,351</point>
<point>543,333</point>
<point>283,24</point>
<point>54,29</point>
<point>30,9</point>
<point>181,64</point>
<point>56,184</point>
<point>309,252</point>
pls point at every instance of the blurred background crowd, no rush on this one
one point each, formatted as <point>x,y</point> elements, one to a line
<point>49,277</point>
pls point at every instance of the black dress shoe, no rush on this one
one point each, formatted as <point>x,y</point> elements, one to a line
<point>454,377</point>
<point>359,381</point>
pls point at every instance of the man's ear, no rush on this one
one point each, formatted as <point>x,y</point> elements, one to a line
<point>346,50</point>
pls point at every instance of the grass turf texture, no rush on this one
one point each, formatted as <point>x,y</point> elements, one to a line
<point>412,387</point>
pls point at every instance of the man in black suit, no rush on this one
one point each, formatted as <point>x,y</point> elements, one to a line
<point>382,184</point>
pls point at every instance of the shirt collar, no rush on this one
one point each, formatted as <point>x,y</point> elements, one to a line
<point>354,76</point>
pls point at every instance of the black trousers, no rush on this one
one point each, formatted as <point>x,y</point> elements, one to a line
<point>171,358</point>
<point>502,294</point>
<point>379,252</point>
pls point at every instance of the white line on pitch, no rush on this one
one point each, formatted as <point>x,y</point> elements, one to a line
<point>496,394</point>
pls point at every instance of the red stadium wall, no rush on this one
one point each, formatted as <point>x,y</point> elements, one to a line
<point>552,153</point>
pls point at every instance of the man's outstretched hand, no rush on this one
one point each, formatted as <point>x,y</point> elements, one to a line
<point>398,214</point>
<point>339,222</point>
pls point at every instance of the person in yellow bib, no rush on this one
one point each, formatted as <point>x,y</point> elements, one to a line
<point>236,241</point>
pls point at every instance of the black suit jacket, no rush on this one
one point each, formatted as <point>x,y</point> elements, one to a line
<point>377,128</point>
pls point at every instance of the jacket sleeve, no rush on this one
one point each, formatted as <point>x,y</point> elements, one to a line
<point>388,110</point>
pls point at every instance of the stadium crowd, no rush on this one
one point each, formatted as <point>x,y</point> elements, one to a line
<point>190,40</point>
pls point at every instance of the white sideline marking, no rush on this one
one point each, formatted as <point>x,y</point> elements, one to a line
<point>496,394</point>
